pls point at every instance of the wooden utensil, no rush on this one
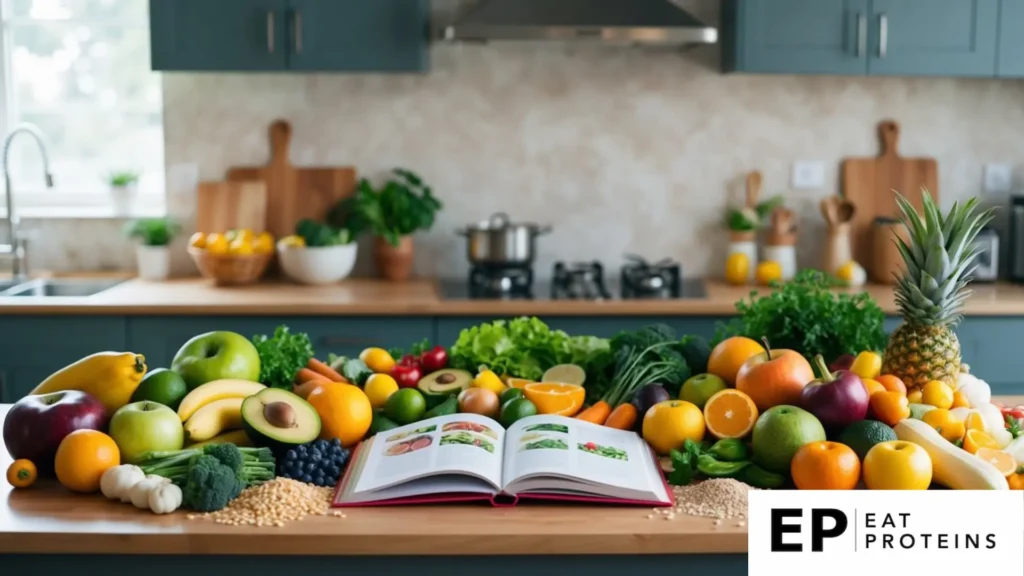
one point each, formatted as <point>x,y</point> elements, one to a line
<point>223,206</point>
<point>869,183</point>
<point>837,213</point>
<point>295,193</point>
<point>753,189</point>
<point>783,228</point>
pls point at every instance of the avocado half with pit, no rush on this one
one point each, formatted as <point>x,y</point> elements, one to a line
<point>439,385</point>
<point>279,419</point>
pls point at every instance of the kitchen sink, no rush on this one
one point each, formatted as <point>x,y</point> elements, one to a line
<point>59,287</point>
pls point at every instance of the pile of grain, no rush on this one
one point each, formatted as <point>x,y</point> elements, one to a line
<point>716,498</point>
<point>274,503</point>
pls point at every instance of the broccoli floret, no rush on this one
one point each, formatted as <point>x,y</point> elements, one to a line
<point>228,455</point>
<point>210,485</point>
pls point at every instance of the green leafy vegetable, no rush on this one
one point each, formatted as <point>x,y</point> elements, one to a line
<point>416,349</point>
<point>806,315</point>
<point>317,234</point>
<point>402,206</point>
<point>152,231</point>
<point>684,463</point>
<point>282,356</point>
<point>356,371</point>
<point>646,356</point>
<point>1013,425</point>
<point>525,347</point>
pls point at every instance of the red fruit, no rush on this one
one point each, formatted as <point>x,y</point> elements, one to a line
<point>409,360</point>
<point>406,376</point>
<point>434,359</point>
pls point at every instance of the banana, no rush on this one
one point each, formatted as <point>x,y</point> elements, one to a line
<point>236,437</point>
<point>213,391</point>
<point>214,418</point>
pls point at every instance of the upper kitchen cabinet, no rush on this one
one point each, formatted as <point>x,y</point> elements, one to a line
<point>857,37</point>
<point>934,37</point>
<point>1011,42</point>
<point>795,36</point>
<point>226,35</point>
<point>289,35</point>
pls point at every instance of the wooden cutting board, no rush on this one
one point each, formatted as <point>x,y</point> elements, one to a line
<point>223,206</point>
<point>295,193</point>
<point>869,183</point>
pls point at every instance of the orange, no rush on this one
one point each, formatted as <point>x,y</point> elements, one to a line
<point>555,397</point>
<point>892,383</point>
<point>517,382</point>
<point>938,394</point>
<point>872,386</point>
<point>82,458</point>
<point>960,400</point>
<point>729,355</point>
<point>974,421</point>
<point>948,425</point>
<point>730,414</point>
<point>1001,460</point>
<point>914,397</point>
<point>889,407</point>
<point>825,466</point>
<point>345,411</point>
<point>976,440</point>
<point>669,424</point>
<point>897,465</point>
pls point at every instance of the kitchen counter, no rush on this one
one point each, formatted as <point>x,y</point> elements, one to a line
<point>370,297</point>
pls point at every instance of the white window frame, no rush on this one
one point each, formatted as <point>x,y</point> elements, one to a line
<point>30,190</point>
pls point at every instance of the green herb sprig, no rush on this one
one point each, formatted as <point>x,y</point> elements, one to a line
<point>402,206</point>
<point>282,356</point>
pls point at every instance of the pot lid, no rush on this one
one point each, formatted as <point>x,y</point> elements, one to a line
<point>501,221</point>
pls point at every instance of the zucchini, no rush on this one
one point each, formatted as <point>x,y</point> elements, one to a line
<point>951,466</point>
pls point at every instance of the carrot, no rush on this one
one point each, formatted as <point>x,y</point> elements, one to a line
<point>622,418</point>
<point>597,413</point>
<point>307,375</point>
<point>306,388</point>
<point>324,370</point>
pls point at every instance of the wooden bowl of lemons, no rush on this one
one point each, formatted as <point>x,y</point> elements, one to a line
<point>232,258</point>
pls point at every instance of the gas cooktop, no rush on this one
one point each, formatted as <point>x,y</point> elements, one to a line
<point>454,289</point>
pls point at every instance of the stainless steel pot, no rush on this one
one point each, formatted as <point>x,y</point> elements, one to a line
<point>500,241</point>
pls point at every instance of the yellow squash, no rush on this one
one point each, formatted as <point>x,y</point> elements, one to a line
<point>111,377</point>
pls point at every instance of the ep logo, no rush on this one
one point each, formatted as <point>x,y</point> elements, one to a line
<point>824,523</point>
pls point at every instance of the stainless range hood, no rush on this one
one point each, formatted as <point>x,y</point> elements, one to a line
<point>629,22</point>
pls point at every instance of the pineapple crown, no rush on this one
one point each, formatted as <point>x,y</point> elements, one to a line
<point>939,260</point>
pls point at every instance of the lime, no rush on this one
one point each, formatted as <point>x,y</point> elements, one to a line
<point>510,394</point>
<point>162,386</point>
<point>405,406</point>
<point>566,374</point>
<point>863,435</point>
<point>516,409</point>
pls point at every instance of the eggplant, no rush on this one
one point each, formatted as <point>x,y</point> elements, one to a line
<point>648,396</point>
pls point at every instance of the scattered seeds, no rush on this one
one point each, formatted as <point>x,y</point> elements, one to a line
<point>717,498</point>
<point>274,504</point>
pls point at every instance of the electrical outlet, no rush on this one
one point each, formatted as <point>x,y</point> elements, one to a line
<point>808,174</point>
<point>998,178</point>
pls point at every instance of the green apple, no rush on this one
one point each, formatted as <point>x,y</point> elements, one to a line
<point>215,356</point>
<point>140,427</point>
<point>779,432</point>
<point>163,386</point>
<point>700,388</point>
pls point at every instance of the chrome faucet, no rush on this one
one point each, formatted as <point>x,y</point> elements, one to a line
<point>16,245</point>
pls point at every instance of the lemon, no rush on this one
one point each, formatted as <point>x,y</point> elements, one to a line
<point>378,360</point>
<point>217,243</point>
<point>379,388</point>
<point>852,274</point>
<point>293,241</point>
<point>240,247</point>
<point>768,272</point>
<point>198,240</point>
<point>737,268</point>
<point>264,243</point>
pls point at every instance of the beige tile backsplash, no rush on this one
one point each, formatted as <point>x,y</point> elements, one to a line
<point>620,150</point>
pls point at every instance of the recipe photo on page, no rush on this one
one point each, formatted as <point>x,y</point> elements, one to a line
<point>559,455</point>
<point>457,453</point>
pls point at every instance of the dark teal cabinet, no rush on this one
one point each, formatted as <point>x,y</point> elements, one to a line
<point>289,35</point>
<point>858,37</point>
<point>795,36</point>
<point>933,37</point>
<point>33,347</point>
<point>1010,63</point>
<point>225,35</point>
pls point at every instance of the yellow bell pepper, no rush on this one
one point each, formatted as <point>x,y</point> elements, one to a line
<point>867,365</point>
<point>489,380</point>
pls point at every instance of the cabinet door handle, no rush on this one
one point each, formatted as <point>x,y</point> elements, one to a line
<point>862,34</point>
<point>270,32</point>
<point>883,35</point>
<point>297,32</point>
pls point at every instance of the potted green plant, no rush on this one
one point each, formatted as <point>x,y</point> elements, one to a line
<point>392,213</point>
<point>123,186</point>
<point>153,254</point>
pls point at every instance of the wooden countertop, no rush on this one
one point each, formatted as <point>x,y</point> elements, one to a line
<point>422,297</point>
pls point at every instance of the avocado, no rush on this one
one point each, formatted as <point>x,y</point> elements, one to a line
<point>438,386</point>
<point>696,351</point>
<point>447,408</point>
<point>279,419</point>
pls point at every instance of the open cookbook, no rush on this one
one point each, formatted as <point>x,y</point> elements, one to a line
<point>470,457</point>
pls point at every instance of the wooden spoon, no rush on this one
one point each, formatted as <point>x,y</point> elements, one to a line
<point>829,212</point>
<point>753,189</point>
<point>845,211</point>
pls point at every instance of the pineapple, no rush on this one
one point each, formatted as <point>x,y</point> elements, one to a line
<point>931,291</point>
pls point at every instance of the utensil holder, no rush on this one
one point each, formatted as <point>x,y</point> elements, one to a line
<point>785,255</point>
<point>746,244</point>
<point>837,249</point>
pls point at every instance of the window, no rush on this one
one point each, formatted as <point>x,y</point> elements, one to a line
<point>79,70</point>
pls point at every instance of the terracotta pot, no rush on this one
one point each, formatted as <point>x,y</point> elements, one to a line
<point>394,263</point>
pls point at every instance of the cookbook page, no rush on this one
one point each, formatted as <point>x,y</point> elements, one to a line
<point>560,447</point>
<point>458,444</point>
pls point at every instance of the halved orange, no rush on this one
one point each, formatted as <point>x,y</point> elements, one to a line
<point>555,397</point>
<point>730,414</point>
<point>517,382</point>
<point>975,440</point>
<point>1001,460</point>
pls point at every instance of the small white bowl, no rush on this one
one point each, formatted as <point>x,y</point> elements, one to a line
<point>320,265</point>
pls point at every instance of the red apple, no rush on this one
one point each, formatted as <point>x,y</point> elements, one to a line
<point>774,377</point>
<point>35,425</point>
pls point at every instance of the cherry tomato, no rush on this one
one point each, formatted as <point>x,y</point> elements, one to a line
<point>434,359</point>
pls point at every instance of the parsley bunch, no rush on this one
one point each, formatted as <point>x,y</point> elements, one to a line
<point>805,315</point>
<point>282,356</point>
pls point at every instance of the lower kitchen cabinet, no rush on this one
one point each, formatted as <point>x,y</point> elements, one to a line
<point>159,338</point>
<point>988,345</point>
<point>33,347</point>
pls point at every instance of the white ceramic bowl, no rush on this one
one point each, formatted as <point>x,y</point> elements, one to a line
<point>320,265</point>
